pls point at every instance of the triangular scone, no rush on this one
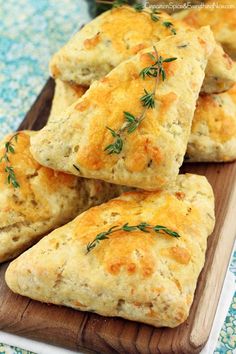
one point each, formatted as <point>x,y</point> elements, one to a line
<point>44,200</point>
<point>120,33</point>
<point>213,136</point>
<point>147,277</point>
<point>213,132</point>
<point>221,19</point>
<point>153,152</point>
<point>65,94</point>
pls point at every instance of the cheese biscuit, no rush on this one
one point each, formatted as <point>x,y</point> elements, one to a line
<point>142,276</point>
<point>112,135</point>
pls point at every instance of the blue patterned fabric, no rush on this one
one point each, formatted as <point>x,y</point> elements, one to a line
<point>30,32</point>
<point>6,349</point>
<point>227,338</point>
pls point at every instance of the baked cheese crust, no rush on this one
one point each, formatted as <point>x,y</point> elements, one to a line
<point>144,277</point>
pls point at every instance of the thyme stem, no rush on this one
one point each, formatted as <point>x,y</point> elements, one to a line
<point>143,227</point>
<point>9,149</point>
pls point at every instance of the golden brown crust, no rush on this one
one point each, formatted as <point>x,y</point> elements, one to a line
<point>213,136</point>
<point>45,199</point>
<point>146,277</point>
<point>153,153</point>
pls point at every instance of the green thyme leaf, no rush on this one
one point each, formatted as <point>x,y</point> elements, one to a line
<point>129,117</point>
<point>163,229</point>
<point>128,228</point>
<point>149,71</point>
<point>168,60</point>
<point>182,46</point>
<point>118,3</point>
<point>169,25</point>
<point>117,146</point>
<point>138,7</point>
<point>143,227</point>
<point>151,56</point>
<point>132,122</point>
<point>163,74</point>
<point>148,99</point>
<point>154,17</point>
<point>11,149</point>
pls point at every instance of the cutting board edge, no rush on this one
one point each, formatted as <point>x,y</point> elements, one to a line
<point>229,223</point>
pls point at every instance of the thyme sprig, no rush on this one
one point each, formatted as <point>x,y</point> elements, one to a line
<point>143,227</point>
<point>10,149</point>
<point>156,70</point>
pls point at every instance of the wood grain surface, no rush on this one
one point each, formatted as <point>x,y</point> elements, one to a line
<point>87,331</point>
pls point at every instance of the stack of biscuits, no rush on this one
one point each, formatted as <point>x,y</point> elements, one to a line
<point>122,232</point>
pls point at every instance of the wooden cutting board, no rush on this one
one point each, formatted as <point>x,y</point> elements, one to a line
<point>79,330</point>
